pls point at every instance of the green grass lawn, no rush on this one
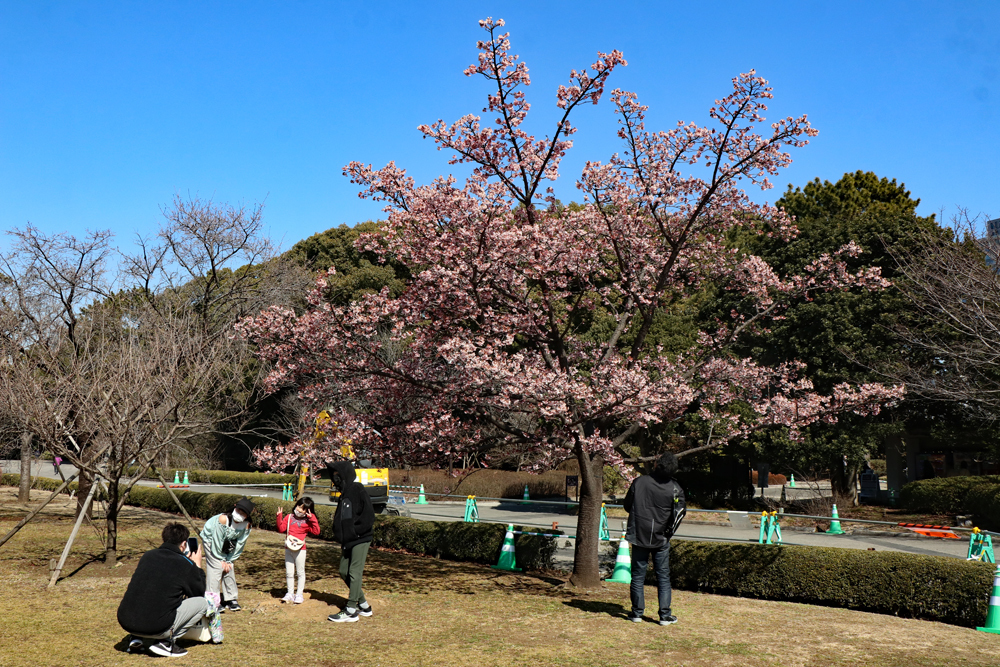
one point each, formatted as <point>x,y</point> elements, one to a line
<point>429,612</point>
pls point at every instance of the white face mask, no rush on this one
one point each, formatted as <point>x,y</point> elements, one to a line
<point>238,517</point>
<point>299,514</point>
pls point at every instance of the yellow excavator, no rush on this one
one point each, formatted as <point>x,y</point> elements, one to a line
<point>375,480</point>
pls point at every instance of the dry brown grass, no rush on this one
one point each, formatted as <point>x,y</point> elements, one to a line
<point>432,612</point>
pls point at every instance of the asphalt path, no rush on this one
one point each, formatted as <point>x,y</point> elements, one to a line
<point>542,516</point>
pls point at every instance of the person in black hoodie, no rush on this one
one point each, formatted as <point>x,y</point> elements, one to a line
<point>352,527</point>
<point>166,596</point>
<point>655,506</point>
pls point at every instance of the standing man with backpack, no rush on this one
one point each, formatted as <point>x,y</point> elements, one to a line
<point>353,522</point>
<point>656,507</point>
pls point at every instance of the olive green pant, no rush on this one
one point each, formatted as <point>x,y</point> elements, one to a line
<point>352,564</point>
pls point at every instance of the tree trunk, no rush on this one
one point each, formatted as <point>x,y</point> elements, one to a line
<point>586,572</point>
<point>844,482</point>
<point>84,499</point>
<point>111,520</point>
<point>24,489</point>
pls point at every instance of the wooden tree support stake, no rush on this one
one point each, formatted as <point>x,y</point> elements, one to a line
<point>176,499</point>
<point>72,535</point>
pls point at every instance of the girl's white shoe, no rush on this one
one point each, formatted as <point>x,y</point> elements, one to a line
<point>288,597</point>
<point>298,599</point>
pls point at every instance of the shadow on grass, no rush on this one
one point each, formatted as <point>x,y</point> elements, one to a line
<point>597,607</point>
<point>338,601</point>
<point>122,645</point>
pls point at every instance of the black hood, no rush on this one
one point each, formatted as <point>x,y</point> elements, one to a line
<point>344,470</point>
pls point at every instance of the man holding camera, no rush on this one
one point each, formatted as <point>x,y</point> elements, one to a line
<point>166,596</point>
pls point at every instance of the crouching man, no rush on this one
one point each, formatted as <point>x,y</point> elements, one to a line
<point>166,596</point>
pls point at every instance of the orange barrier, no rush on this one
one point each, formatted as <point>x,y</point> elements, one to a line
<point>931,531</point>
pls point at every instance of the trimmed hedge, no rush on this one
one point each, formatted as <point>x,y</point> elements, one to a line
<point>951,495</point>
<point>227,477</point>
<point>37,483</point>
<point>476,542</point>
<point>901,584</point>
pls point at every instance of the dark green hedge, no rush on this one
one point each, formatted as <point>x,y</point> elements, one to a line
<point>227,477</point>
<point>944,495</point>
<point>37,483</point>
<point>948,590</point>
<point>476,542</point>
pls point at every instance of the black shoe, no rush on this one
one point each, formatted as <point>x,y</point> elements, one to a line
<point>669,619</point>
<point>235,606</point>
<point>344,616</point>
<point>634,617</point>
<point>167,649</point>
<point>135,645</point>
<point>365,609</point>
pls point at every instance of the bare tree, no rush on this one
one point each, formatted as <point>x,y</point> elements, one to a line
<point>113,367</point>
<point>955,337</point>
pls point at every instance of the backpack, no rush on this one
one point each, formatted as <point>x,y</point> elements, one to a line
<point>679,512</point>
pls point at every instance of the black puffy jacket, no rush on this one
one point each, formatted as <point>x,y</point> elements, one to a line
<point>655,508</point>
<point>162,580</point>
<point>354,518</point>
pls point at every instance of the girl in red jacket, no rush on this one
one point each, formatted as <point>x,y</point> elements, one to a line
<point>301,522</point>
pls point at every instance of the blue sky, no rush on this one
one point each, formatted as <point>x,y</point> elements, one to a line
<point>107,110</point>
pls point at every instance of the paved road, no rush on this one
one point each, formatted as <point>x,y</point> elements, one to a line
<point>542,516</point>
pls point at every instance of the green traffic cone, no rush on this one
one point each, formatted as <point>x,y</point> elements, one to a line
<point>792,483</point>
<point>623,564</point>
<point>422,499</point>
<point>605,534</point>
<point>525,493</point>
<point>993,614</point>
<point>507,561</point>
<point>177,477</point>
<point>186,477</point>
<point>765,521</point>
<point>835,524</point>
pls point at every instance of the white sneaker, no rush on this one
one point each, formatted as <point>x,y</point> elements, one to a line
<point>365,610</point>
<point>298,599</point>
<point>288,597</point>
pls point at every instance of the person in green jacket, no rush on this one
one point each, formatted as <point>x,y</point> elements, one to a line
<point>224,537</point>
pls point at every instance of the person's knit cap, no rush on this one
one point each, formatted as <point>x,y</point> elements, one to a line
<point>245,505</point>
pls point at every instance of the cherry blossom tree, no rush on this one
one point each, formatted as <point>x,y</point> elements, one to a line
<point>529,326</point>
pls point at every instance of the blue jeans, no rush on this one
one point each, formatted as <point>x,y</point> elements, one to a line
<point>661,565</point>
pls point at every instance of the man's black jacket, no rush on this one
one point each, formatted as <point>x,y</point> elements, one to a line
<point>355,516</point>
<point>655,507</point>
<point>162,579</point>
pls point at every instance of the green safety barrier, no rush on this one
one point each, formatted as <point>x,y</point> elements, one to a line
<point>471,511</point>
<point>770,529</point>
<point>980,547</point>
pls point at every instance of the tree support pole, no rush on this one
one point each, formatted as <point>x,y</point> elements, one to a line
<point>72,535</point>
<point>176,499</point>
<point>38,509</point>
